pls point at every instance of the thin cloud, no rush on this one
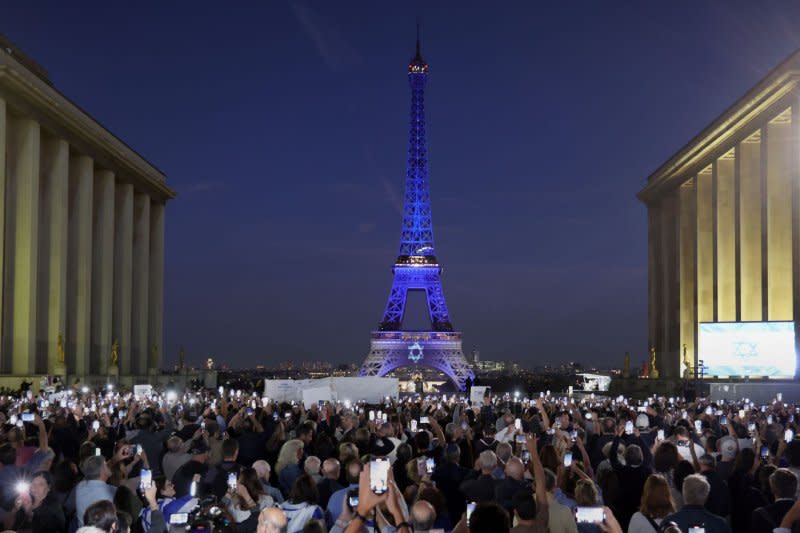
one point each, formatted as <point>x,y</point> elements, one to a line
<point>333,48</point>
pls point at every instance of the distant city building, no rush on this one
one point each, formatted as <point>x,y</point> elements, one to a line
<point>82,266</point>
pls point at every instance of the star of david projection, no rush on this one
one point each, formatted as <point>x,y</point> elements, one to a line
<point>745,349</point>
<point>415,352</point>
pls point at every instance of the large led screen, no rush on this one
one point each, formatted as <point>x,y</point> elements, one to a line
<point>747,349</point>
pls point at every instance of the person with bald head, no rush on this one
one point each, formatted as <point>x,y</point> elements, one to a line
<point>512,483</point>
<point>264,471</point>
<point>272,520</point>
<point>423,516</point>
<point>329,482</point>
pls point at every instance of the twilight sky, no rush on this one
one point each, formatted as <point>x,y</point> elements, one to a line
<point>283,127</point>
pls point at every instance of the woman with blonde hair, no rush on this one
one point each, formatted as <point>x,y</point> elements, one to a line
<point>288,464</point>
<point>655,505</point>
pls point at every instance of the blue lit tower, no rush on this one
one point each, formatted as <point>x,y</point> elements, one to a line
<point>416,267</point>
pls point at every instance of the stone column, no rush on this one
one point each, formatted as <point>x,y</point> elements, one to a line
<point>795,179</point>
<point>79,264</point>
<point>22,239</point>
<point>688,247</point>
<point>103,271</point>
<point>123,273</point>
<point>141,287</point>
<point>750,228</point>
<point>705,248</point>
<point>155,329</point>
<point>5,359</point>
<point>779,219</point>
<point>53,253</point>
<point>726,238</point>
<point>655,321</point>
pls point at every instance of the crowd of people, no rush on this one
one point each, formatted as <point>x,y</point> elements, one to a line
<point>105,460</point>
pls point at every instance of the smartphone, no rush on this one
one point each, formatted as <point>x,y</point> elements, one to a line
<point>424,420</point>
<point>751,427</point>
<point>517,424</point>
<point>629,428</point>
<point>696,529</point>
<point>352,499</point>
<point>413,426</point>
<point>520,439</point>
<point>178,519</point>
<point>698,425</point>
<point>660,434</point>
<point>723,420</point>
<point>138,449</point>
<point>788,435</point>
<point>27,417</point>
<point>203,425</point>
<point>145,479</point>
<point>764,452</point>
<point>422,470</point>
<point>97,452</point>
<point>249,411</point>
<point>574,435</point>
<point>470,508</point>
<point>741,413</point>
<point>430,464</point>
<point>95,424</point>
<point>769,419</point>
<point>232,481</point>
<point>568,459</point>
<point>526,456</point>
<point>275,416</point>
<point>379,475</point>
<point>372,416</point>
<point>590,515</point>
<point>588,416</point>
<point>464,425</point>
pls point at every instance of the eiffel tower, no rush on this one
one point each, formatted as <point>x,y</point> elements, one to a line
<point>416,268</point>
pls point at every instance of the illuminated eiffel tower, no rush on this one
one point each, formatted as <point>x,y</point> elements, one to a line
<point>416,268</point>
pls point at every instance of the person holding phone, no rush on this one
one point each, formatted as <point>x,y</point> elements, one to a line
<point>632,475</point>
<point>37,509</point>
<point>369,500</point>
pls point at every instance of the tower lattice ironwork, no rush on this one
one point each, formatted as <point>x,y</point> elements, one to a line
<point>416,267</point>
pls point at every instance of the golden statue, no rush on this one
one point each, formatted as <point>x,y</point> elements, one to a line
<point>60,348</point>
<point>115,352</point>
<point>626,367</point>
<point>653,367</point>
<point>687,372</point>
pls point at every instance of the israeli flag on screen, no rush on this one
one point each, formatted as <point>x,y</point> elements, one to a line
<point>747,349</point>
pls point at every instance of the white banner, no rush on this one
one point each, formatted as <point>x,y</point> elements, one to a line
<point>369,389</point>
<point>314,395</point>
<point>476,395</point>
<point>142,390</point>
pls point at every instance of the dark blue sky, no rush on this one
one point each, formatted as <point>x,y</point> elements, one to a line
<point>283,127</point>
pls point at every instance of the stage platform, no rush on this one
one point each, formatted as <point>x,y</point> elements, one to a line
<point>759,392</point>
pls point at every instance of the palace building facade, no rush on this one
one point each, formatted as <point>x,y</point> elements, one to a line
<point>82,226</point>
<point>724,238</point>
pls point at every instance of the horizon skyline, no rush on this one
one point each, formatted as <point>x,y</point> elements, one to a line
<point>284,138</point>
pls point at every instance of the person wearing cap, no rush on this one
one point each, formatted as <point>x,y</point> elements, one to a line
<point>728,448</point>
<point>197,465</point>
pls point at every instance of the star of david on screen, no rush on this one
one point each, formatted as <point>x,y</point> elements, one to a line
<point>747,349</point>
